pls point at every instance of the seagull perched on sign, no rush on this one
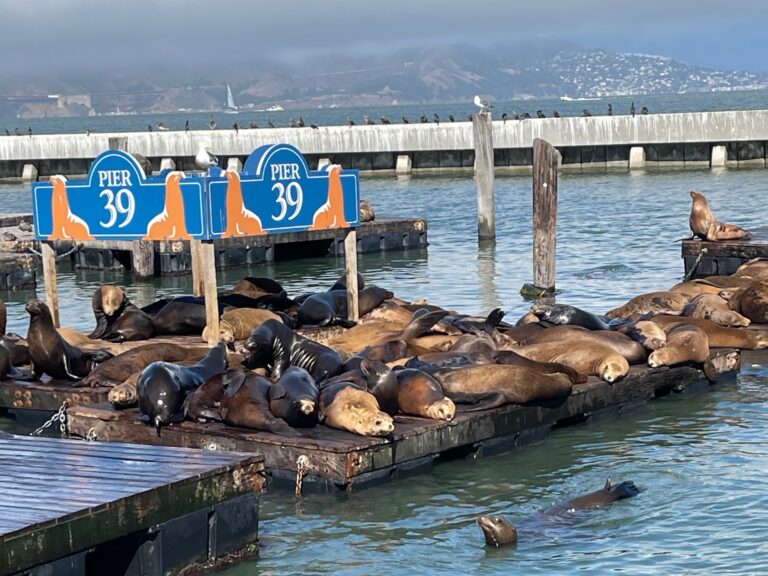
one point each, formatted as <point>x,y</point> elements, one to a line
<point>482,103</point>
<point>204,158</point>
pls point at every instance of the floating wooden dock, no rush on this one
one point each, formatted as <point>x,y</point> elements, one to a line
<point>74,508</point>
<point>336,459</point>
<point>723,258</point>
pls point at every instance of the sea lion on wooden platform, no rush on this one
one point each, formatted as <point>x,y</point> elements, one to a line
<point>246,404</point>
<point>330,308</point>
<point>237,324</point>
<point>7,369</point>
<point>389,311</point>
<point>649,334</point>
<point>294,398</point>
<point>584,356</point>
<point>704,224</point>
<point>496,385</point>
<point>163,386</point>
<point>564,314</point>
<point>750,301</point>
<point>203,403</point>
<point>632,350</point>
<point>420,394</point>
<point>512,358</point>
<point>756,268</point>
<point>651,303</point>
<point>256,286</point>
<point>347,406</point>
<point>719,336</point>
<point>685,343</point>
<point>388,352</point>
<point>125,394</point>
<point>500,532</point>
<point>375,377</point>
<point>694,288</point>
<point>50,354</point>
<point>713,307</point>
<point>367,214</point>
<point>18,348</point>
<point>275,346</point>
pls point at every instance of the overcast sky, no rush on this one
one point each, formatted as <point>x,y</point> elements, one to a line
<point>39,36</point>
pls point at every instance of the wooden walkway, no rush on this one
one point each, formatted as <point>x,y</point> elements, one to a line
<point>340,459</point>
<point>723,258</point>
<point>69,503</point>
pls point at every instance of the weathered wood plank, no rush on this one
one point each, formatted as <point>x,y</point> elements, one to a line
<point>350,263</point>
<point>49,278</point>
<point>544,214</point>
<point>482,134</point>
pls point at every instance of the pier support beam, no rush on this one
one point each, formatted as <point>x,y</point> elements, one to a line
<point>404,164</point>
<point>719,157</point>
<point>167,163</point>
<point>143,258</point>
<point>198,286</point>
<point>51,282</point>
<point>234,164</point>
<point>207,253</point>
<point>636,157</point>
<point>29,173</point>
<point>482,132</point>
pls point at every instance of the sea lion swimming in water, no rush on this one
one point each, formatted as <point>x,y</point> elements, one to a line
<point>500,532</point>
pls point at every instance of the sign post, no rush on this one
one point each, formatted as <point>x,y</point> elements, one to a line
<point>51,282</point>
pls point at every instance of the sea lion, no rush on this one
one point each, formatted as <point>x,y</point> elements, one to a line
<point>294,398</point>
<point>694,288</point>
<point>256,286</point>
<point>633,351</point>
<point>238,323</point>
<point>389,311</point>
<point>275,346</point>
<point>388,352</point>
<point>649,334</point>
<point>704,224</point>
<point>163,386</point>
<point>18,348</point>
<point>347,406</point>
<point>512,358</point>
<point>685,343</point>
<point>50,354</point>
<point>202,404</point>
<point>375,377</point>
<point>565,314</point>
<point>584,356</point>
<point>7,369</point>
<point>420,394</point>
<point>330,308</point>
<point>367,213</point>
<point>118,369</point>
<point>246,404</point>
<point>750,301</point>
<point>126,393</point>
<point>496,385</point>
<point>500,532</point>
<point>756,268</point>
<point>651,303</point>
<point>719,336</point>
<point>107,303</point>
<point>713,307</point>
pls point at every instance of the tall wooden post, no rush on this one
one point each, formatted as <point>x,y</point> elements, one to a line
<point>350,262</point>
<point>545,160</point>
<point>49,278</point>
<point>482,132</point>
<point>198,285</point>
<point>118,143</point>
<point>206,253</point>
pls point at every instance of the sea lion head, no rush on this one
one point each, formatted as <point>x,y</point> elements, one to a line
<point>371,422</point>
<point>37,309</point>
<point>554,313</point>
<point>443,409</point>
<point>226,332</point>
<point>160,393</point>
<point>497,530</point>
<point>112,299</point>
<point>626,489</point>
<point>649,334</point>
<point>613,367</point>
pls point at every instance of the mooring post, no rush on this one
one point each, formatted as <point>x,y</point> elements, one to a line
<point>198,285</point>
<point>49,277</point>
<point>482,132</point>
<point>143,258</point>
<point>350,262</point>
<point>208,264</point>
<point>545,160</point>
<point>118,143</point>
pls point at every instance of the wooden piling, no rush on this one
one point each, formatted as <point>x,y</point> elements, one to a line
<point>545,160</point>
<point>143,258</point>
<point>350,262</point>
<point>198,285</point>
<point>208,265</point>
<point>49,279</point>
<point>482,132</point>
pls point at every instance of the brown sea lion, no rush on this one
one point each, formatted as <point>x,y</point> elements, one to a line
<point>647,333</point>
<point>256,286</point>
<point>756,268</point>
<point>294,398</point>
<point>203,403</point>
<point>237,324</point>
<point>366,212</point>
<point>512,358</point>
<point>685,343</point>
<point>7,369</point>
<point>246,404</point>
<point>389,352</point>
<point>347,406</point>
<point>18,348</point>
<point>704,224</point>
<point>633,351</point>
<point>651,303</point>
<point>3,317</point>
<point>500,532</point>
<point>50,354</point>
<point>713,307</point>
<point>495,385</point>
<point>750,301</point>
<point>527,318</point>
<point>584,356</point>
<point>378,379</point>
<point>719,336</point>
<point>419,394</point>
<point>694,288</point>
<point>390,311</point>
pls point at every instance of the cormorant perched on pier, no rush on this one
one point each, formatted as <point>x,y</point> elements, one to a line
<point>469,117</point>
<point>87,131</point>
<point>451,118</point>
<point>17,132</point>
<point>424,119</point>
<point>236,128</point>
<point>253,125</point>
<point>632,109</point>
<point>405,120</point>
<point>526,116</point>
<point>29,130</point>
<point>186,126</point>
<point>7,132</point>
<point>437,118</point>
<point>504,117</point>
<point>292,123</point>
<point>516,116</point>
<point>540,114</point>
<point>586,113</point>
<point>269,123</point>
<point>350,121</point>
<point>385,120</point>
<point>368,121</point>
<point>149,127</point>
<point>212,123</point>
<point>643,110</point>
<point>314,126</point>
<point>555,114</point>
<point>610,110</point>
<point>301,122</point>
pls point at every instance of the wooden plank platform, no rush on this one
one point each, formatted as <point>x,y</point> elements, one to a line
<point>723,258</point>
<point>60,498</point>
<point>340,459</point>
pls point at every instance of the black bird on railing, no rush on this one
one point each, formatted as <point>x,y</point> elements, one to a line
<point>301,122</point>
<point>437,118</point>
<point>586,113</point>
<point>7,132</point>
<point>186,126</point>
<point>236,128</point>
<point>451,118</point>
<point>540,114</point>
<point>555,114</point>
<point>610,110</point>
<point>526,116</point>
<point>643,110</point>
<point>314,126</point>
<point>516,116</point>
<point>29,130</point>
<point>632,109</point>
<point>469,117</point>
<point>350,121</point>
<point>269,123</point>
<point>504,117</point>
<point>368,121</point>
<point>253,125</point>
<point>424,119</point>
<point>212,123</point>
<point>385,120</point>
<point>149,127</point>
<point>405,120</point>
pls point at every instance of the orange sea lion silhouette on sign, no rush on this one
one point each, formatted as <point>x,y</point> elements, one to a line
<point>170,223</point>
<point>66,226</point>
<point>240,220</point>
<point>331,214</point>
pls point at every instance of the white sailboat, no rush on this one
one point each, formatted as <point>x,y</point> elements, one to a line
<point>231,108</point>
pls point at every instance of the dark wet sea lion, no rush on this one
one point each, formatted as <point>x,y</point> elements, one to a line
<point>436,360</point>
<point>18,348</point>
<point>719,336</point>
<point>704,224</point>
<point>715,308</point>
<point>389,352</point>
<point>500,532</point>
<point>203,403</point>
<point>246,404</point>
<point>685,343</point>
<point>347,406</point>
<point>294,398</point>
<point>275,346</point>
<point>7,369</point>
<point>375,377</point>
<point>50,354</point>
<point>330,308</point>
<point>420,394</point>
<point>108,302</point>
<point>117,319</point>
<point>562,314</point>
<point>163,386</point>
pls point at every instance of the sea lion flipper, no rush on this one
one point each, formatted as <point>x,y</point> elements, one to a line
<point>344,323</point>
<point>478,401</point>
<point>607,486</point>
<point>98,356</point>
<point>419,325</point>
<point>493,320</point>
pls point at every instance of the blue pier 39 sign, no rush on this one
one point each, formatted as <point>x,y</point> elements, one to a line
<point>278,193</point>
<point>118,202</point>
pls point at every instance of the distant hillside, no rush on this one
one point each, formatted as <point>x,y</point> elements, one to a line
<point>444,74</point>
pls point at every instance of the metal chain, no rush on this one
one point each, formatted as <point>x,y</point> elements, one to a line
<point>692,271</point>
<point>302,465</point>
<point>74,249</point>
<point>60,416</point>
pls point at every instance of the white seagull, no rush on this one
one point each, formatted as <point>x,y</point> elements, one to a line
<point>204,158</point>
<point>482,103</point>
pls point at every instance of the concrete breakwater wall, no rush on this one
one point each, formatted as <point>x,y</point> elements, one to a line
<point>713,138</point>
